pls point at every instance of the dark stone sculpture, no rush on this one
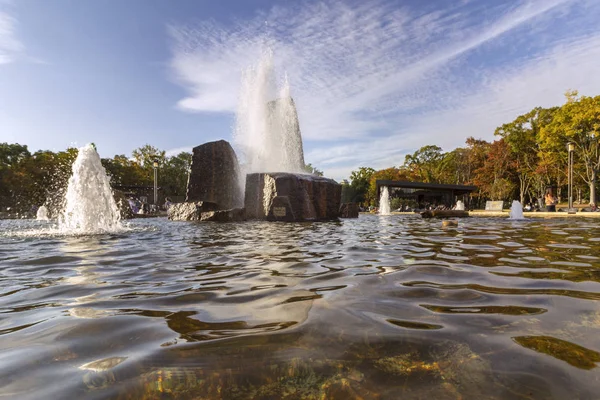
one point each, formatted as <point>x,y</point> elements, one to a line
<point>214,175</point>
<point>291,197</point>
<point>349,210</point>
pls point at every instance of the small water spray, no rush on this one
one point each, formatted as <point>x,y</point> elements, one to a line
<point>42,214</point>
<point>516,210</point>
<point>89,203</point>
<point>384,201</point>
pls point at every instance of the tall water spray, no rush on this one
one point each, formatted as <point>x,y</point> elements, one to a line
<point>89,203</point>
<point>267,132</point>
<point>384,201</point>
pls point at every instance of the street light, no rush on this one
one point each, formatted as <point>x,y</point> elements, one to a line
<point>571,149</point>
<point>155,165</point>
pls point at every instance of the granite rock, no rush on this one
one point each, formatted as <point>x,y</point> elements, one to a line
<point>189,211</point>
<point>214,175</point>
<point>233,215</point>
<point>285,196</point>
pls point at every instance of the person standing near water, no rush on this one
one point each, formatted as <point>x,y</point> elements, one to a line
<point>550,201</point>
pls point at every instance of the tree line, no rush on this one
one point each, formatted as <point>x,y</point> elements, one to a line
<point>529,155</point>
<point>31,179</point>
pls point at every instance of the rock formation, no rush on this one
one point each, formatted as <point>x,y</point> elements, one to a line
<point>190,211</point>
<point>291,197</point>
<point>214,175</point>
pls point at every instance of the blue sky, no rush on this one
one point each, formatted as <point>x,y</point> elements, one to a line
<point>372,80</point>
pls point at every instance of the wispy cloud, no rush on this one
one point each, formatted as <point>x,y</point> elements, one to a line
<point>10,46</point>
<point>385,80</point>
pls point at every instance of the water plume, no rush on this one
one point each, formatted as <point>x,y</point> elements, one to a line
<point>42,214</point>
<point>89,203</point>
<point>516,210</point>
<point>267,132</point>
<point>384,201</point>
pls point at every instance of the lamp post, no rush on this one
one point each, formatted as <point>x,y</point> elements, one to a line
<point>571,149</point>
<point>155,165</point>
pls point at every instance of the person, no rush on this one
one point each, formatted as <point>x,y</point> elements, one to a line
<point>550,201</point>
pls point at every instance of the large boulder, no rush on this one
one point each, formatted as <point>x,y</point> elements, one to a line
<point>189,211</point>
<point>214,175</point>
<point>233,215</point>
<point>349,210</point>
<point>285,196</point>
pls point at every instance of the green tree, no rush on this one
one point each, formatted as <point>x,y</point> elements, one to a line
<point>425,164</point>
<point>359,182</point>
<point>523,138</point>
<point>577,121</point>
<point>312,170</point>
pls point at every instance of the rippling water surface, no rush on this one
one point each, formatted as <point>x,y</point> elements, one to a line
<point>378,307</point>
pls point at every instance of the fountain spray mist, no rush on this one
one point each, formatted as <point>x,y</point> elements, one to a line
<point>267,132</point>
<point>89,203</point>
<point>384,201</point>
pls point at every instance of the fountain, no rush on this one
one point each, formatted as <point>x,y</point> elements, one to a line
<point>89,203</point>
<point>516,211</point>
<point>271,170</point>
<point>267,132</point>
<point>42,214</point>
<point>384,201</point>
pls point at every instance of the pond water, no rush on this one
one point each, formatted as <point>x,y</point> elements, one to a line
<point>382,307</point>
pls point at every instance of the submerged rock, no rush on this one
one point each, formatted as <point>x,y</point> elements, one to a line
<point>291,197</point>
<point>233,215</point>
<point>349,210</point>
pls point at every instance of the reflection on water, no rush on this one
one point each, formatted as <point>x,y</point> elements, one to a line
<point>374,308</point>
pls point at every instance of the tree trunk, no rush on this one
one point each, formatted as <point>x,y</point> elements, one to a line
<point>593,188</point>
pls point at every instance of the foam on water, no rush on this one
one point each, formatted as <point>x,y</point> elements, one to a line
<point>384,201</point>
<point>267,132</point>
<point>89,203</point>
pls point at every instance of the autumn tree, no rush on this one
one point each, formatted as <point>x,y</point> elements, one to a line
<point>523,138</point>
<point>577,121</point>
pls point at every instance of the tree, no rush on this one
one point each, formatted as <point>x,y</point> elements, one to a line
<point>173,175</point>
<point>312,170</point>
<point>359,181</point>
<point>424,165</point>
<point>494,177</point>
<point>523,138</point>
<point>577,121</point>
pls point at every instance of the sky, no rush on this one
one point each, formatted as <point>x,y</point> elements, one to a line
<point>372,80</point>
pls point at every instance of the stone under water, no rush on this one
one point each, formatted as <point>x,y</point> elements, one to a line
<point>349,210</point>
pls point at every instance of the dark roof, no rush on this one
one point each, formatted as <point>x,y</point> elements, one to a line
<point>422,185</point>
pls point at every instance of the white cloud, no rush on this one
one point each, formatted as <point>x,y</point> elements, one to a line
<point>385,80</point>
<point>10,46</point>
<point>177,150</point>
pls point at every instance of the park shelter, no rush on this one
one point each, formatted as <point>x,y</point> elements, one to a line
<point>427,194</point>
